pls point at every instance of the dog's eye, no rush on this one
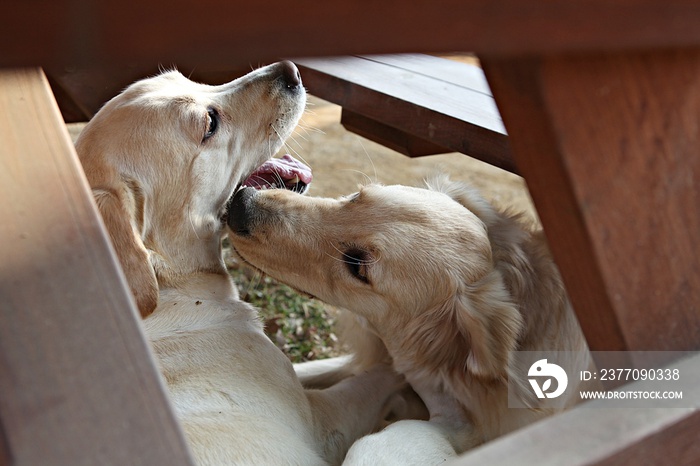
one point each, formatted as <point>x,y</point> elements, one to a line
<point>212,123</point>
<point>358,262</point>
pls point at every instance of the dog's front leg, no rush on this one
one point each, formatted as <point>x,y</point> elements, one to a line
<point>324,373</point>
<point>447,413</point>
<point>352,408</point>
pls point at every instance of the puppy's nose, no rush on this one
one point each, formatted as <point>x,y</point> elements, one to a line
<point>240,210</point>
<point>290,74</point>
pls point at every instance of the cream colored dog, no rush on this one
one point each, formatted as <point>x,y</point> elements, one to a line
<point>163,158</point>
<point>449,285</point>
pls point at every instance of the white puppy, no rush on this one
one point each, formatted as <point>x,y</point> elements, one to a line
<point>163,158</point>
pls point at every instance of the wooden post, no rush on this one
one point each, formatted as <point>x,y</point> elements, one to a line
<point>610,148</point>
<point>77,382</point>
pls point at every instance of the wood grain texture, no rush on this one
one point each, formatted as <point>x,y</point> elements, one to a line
<point>593,433</point>
<point>429,99</point>
<point>607,143</point>
<point>609,148</point>
<point>81,91</point>
<point>389,136</point>
<point>77,382</point>
<point>79,32</point>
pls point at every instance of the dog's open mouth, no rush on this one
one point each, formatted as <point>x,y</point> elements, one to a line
<point>285,172</point>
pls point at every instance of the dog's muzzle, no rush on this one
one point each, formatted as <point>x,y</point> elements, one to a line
<point>240,211</point>
<point>290,74</point>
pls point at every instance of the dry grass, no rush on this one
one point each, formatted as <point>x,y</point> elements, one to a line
<point>300,326</point>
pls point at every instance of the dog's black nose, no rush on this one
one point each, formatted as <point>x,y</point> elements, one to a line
<point>240,209</point>
<point>290,74</point>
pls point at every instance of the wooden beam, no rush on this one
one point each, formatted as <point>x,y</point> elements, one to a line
<point>608,145</point>
<point>80,32</point>
<point>388,136</point>
<point>81,91</point>
<point>77,382</point>
<point>594,434</point>
<point>418,102</point>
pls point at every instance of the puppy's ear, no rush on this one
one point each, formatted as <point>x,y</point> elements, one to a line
<point>485,311</point>
<point>474,330</point>
<point>122,211</point>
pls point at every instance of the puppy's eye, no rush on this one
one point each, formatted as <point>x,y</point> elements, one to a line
<point>212,123</point>
<point>358,261</point>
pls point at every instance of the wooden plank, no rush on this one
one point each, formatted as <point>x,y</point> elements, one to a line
<point>595,434</point>
<point>470,77</point>
<point>83,32</point>
<point>436,110</point>
<point>609,148</point>
<point>81,91</point>
<point>77,382</point>
<point>407,86</point>
<point>388,136</point>
<point>71,107</point>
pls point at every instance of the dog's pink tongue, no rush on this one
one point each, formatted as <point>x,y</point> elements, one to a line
<point>286,168</point>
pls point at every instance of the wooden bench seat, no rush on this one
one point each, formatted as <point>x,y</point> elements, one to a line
<point>415,104</point>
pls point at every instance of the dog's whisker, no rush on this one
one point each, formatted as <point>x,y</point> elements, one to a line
<point>314,129</point>
<point>245,293</point>
<point>269,145</point>
<point>309,129</point>
<point>278,136</point>
<point>253,282</point>
<point>369,157</point>
<point>261,181</point>
<point>276,132</point>
<point>189,217</point>
<point>369,179</point>
<point>299,135</point>
<point>293,139</point>
<point>344,261</point>
<point>279,179</point>
<point>300,157</point>
<point>355,261</point>
<point>297,154</point>
<point>291,149</point>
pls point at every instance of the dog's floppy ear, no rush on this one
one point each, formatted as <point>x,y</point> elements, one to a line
<point>121,208</point>
<point>474,330</point>
<point>485,311</point>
